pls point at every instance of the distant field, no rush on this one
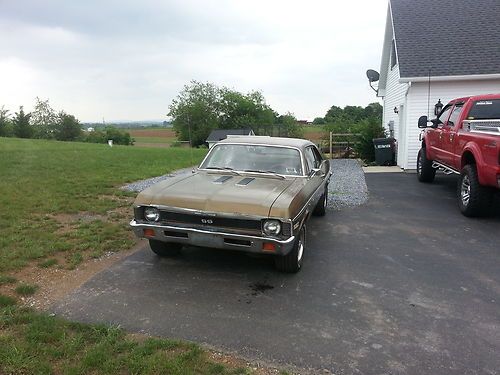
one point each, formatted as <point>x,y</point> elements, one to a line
<point>314,133</point>
<point>63,196</point>
<point>153,137</point>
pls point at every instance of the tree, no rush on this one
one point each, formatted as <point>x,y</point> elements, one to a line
<point>5,123</point>
<point>67,127</point>
<point>44,120</point>
<point>334,114</point>
<point>289,127</point>
<point>319,121</point>
<point>195,112</point>
<point>239,110</point>
<point>374,110</point>
<point>21,124</point>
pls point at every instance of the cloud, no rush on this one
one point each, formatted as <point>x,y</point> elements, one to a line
<point>128,60</point>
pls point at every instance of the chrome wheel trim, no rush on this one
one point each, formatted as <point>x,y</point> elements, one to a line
<point>419,163</point>
<point>300,251</point>
<point>465,191</point>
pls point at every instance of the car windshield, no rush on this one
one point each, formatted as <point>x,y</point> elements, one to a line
<point>252,158</point>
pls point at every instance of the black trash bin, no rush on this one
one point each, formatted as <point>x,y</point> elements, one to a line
<point>385,151</point>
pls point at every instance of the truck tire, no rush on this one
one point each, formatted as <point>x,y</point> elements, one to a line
<point>292,262</point>
<point>320,209</point>
<point>473,199</point>
<point>165,249</point>
<point>425,172</point>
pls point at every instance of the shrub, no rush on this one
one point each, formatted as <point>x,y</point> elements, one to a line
<point>368,129</point>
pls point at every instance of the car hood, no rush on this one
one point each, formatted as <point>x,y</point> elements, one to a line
<point>217,192</point>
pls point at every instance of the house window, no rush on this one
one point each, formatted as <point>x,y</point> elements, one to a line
<point>393,54</point>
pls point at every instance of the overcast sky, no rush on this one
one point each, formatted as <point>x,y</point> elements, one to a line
<point>127,60</point>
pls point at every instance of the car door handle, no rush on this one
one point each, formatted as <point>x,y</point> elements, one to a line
<point>452,136</point>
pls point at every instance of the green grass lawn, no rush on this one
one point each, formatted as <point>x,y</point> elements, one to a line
<point>64,198</point>
<point>45,186</point>
<point>34,343</point>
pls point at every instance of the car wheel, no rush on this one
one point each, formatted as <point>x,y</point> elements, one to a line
<point>165,249</point>
<point>473,199</point>
<point>425,172</point>
<point>320,209</point>
<point>292,262</point>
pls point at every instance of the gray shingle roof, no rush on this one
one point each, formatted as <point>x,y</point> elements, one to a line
<point>451,37</point>
<point>220,134</point>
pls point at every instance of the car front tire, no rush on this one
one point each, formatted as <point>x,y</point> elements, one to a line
<point>165,249</point>
<point>425,172</point>
<point>292,262</point>
<point>473,199</point>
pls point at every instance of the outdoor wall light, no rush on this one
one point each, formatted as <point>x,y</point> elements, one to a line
<point>438,107</point>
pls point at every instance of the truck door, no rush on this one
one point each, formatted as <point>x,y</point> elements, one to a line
<point>435,135</point>
<point>448,134</point>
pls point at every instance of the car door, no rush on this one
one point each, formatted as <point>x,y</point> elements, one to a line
<point>448,132</point>
<point>435,134</point>
<point>316,175</point>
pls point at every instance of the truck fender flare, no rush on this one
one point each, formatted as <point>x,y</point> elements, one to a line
<point>473,148</point>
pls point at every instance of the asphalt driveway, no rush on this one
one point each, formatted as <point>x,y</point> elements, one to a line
<point>401,285</point>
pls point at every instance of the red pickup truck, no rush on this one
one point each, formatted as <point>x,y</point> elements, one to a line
<point>464,139</point>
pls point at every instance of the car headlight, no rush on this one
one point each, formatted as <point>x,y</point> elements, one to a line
<point>151,214</point>
<point>272,227</point>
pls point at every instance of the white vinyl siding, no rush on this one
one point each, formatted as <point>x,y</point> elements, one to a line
<point>446,91</point>
<point>395,97</point>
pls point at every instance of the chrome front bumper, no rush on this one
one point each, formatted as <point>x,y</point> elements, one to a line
<point>205,238</point>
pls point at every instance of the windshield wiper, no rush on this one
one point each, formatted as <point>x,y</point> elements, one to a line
<point>266,172</point>
<point>228,169</point>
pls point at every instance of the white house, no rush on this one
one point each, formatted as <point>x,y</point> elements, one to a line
<point>455,43</point>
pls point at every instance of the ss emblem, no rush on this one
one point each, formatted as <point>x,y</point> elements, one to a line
<point>207,221</point>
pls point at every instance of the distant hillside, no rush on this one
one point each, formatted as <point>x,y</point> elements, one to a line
<point>130,124</point>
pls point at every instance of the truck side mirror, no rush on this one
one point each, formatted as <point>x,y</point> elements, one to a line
<point>422,122</point>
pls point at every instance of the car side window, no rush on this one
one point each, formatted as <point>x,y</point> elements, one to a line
<point>313,158</point>
<point>443,117</point>
<point>317,156</point>
<point>455,114</point>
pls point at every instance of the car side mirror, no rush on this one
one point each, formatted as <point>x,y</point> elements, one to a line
<point>422,122</point>
<point>435,123</point>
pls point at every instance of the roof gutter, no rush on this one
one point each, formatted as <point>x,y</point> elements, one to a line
<point>471,77</point>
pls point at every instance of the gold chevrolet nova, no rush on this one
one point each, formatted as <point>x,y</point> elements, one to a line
<point>252,194</point>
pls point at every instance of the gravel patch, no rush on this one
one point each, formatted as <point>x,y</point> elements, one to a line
<point>139,186</point>
<point>347,186</point>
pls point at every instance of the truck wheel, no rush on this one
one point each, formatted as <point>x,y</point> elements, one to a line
<point>425,172</point>
<point>292,262</point>
<point>164,249</point>
<point>473,199</point>
<point>320,209</point>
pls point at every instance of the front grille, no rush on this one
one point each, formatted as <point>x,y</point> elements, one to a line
<point>208,221</point>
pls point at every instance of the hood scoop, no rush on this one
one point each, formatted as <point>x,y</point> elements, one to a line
<point>222,179</point>
<point>245,181</point>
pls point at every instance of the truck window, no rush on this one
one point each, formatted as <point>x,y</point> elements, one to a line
<point>485,110</point>
<point>455,114</point>
<point>443,117</point>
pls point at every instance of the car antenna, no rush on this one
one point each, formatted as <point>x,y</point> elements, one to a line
<point>429,95</point>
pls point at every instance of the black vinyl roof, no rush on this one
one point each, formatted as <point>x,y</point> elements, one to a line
<point>450,37</point>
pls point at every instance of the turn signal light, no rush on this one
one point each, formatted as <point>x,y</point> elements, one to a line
<point>149,232</point>
<point>268,246</point>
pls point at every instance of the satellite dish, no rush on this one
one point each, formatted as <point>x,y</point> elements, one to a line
<point>372,75</point>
